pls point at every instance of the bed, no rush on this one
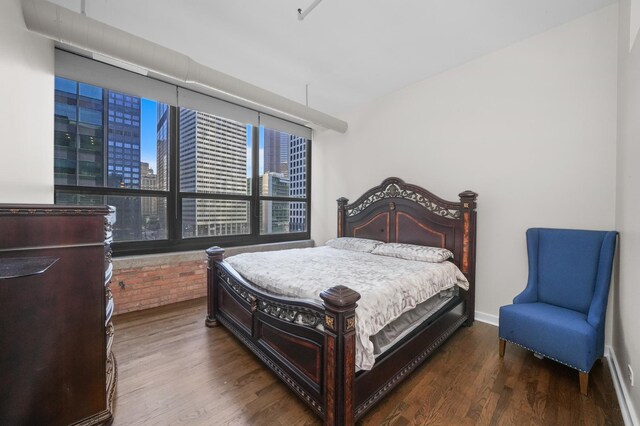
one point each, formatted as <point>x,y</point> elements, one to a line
<point>312,344</point>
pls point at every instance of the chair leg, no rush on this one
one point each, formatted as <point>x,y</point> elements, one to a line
<point>503,344</point>
<point>584,382</point>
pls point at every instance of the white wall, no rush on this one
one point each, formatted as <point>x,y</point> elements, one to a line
<point>26,111</point>
<point>531,128</point>
<point>626,339</point>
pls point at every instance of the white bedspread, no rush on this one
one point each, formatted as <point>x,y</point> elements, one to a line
<point>388,286</point>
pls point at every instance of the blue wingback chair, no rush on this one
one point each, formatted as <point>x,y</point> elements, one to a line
<point>561,312</point>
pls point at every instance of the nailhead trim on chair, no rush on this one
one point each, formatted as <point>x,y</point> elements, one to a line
<point>546,356</point>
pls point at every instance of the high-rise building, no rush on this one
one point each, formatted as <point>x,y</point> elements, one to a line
<point>162,145</point>
<point>162,158</point>
<point>285,155</point>
<point>86,116</point>
<point>149,180</point>
<point>276,152</point>
<point>152,228</point>
<point>297,183</point>
<point>123,160</point>
<point>274,215</point>
<point>123,133</point>
<point>79,134</point>
<point>213,159</point>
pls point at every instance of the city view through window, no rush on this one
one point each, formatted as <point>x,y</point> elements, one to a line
<point>113,148</point>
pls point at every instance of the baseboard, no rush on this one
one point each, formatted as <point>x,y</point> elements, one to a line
<point>487,318</point>
<point>626,405</point>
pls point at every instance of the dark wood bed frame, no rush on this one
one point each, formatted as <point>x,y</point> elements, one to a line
<point>318,363</point>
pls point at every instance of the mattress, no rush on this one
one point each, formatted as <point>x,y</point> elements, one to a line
<point>397,329</point>
<point>388,286</point>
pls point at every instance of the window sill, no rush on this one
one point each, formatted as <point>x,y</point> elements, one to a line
<point>150,260</point>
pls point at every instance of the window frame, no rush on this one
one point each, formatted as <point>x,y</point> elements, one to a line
<point>174,241</point>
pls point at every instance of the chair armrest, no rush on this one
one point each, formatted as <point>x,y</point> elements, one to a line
<point>528,295</point>
<point>598,307</point>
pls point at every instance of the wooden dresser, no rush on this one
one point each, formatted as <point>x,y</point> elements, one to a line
<point>56,365</point>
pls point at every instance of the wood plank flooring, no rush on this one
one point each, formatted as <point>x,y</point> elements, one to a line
<point>173,370</point>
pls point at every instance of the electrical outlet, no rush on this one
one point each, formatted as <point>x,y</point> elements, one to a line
<point>630,374</point>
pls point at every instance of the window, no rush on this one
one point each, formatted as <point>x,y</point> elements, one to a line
<point>185,171</point>
<point>282,182</point>
<point>215,161</point>
<point>93,159</point>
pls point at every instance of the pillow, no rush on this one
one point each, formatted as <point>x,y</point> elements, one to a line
<point>354,244</point>
<point>413,252</point>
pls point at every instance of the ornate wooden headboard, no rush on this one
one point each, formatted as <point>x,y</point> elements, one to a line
<point>399,212</point>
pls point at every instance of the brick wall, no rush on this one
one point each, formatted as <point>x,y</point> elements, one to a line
<point>160,279</point>
<point>152,284</point>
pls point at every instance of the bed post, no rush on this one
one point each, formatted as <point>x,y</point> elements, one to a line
<point>468,201</point>
<point>342,202</point>
<point>214,254</point>
<point>340,354</point>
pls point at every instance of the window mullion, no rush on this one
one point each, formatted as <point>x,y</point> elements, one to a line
<point>308,187</point>
<point>254,204</point>
<point>174,207</point>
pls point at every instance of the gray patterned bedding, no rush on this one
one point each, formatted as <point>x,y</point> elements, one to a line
<point>388,286</point>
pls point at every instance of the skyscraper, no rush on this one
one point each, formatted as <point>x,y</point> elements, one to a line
<point>79,134</point>
<point>86,116</point>
<point>276,152</point>
<point>149,180</point>
<point>162,158</point>
<point>297,183</point>
<point>162,145</point>
<point>123,133</point>
<point>274,217</point>
<point>285,156</point>
<point>213,159</point>
<point>123,160</point>
<point>152,228</point>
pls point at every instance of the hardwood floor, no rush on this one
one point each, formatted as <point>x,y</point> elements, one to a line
<point>173,370</point>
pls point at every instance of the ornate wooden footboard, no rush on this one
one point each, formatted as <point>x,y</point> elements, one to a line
<point>311,345</point>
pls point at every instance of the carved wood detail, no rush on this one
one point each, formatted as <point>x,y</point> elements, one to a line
<point>237,288</point>
<point>289,313</point>
<point>112,379</point>
<point>329,322</point>
<point>396,188</point>
<point>342,202</point>
<point>350,324</point>
<point>292,314</point>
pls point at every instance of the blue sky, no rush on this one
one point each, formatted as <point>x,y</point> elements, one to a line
<point>148,133</point>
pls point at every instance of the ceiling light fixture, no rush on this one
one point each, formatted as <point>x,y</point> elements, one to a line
<point>302,15</point>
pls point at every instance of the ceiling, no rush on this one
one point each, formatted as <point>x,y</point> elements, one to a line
<point>348,51</point>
